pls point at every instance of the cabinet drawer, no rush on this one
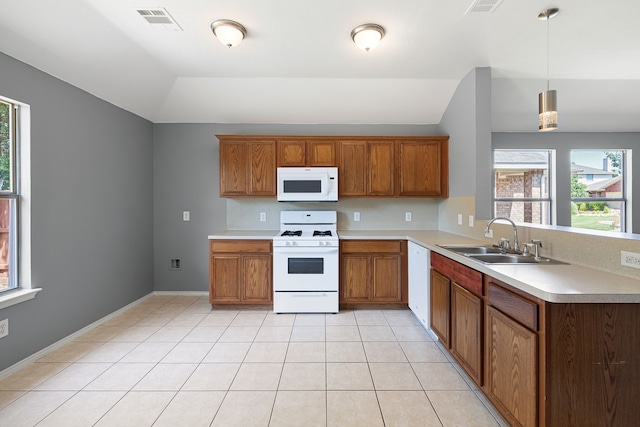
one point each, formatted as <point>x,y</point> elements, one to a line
<point>368,246</point>
<point>515,306</point>
<point>464,276</point>
<point>239,246</point>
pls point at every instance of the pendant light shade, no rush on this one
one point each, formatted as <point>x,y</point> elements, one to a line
<point>367,36</point>
<point>229,33</point>
<point>548,100</point>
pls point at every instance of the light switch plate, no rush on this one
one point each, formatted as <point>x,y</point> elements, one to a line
<point>459,219</point>
<point>263,216</point>
<point>356,216</point>
<point>407,216</point>
<point>470,220</point>
<point>186,216</point>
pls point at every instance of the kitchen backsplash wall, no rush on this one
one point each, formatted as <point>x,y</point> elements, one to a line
<point>375,214</point>
<point>576,247</point>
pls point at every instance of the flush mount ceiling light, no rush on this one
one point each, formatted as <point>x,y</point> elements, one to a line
<point>548,100</point>
<point>367,36</point>
<point>230,33</point>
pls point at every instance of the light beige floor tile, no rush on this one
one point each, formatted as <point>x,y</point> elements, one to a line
<point>267,352</point>
<point>400,317</point>
<point>101,333</point>
<point>274,334</point>
<point>29,409</point>
<point>75,377</point>
<point>303,376</point>
<point>343,318</point>
<point>257,376</point>
<point>239,334</point>
<point>187,319</point>
<point>353,408</point>
<point>136,333</point>
<point>245,408</point>
<point>212,376</point>
<point>447,405</point>
<point>166,376</point>
<point>191,408</point>
<point>306,352</point>
<point>148,352</point>
<point>407,409</point>
<point>300,408</point>
<point>136,409</point>
<point>70,352</point>
<point>310,319</point>
<point>348,376</point>
<point>439,376</point>
<point>383,351</point>
<point>376,333</point>
<point>342,333</point>
<point>156,319</point>
<point>308,333</point>
<point>124,320</point>
<point>284,319</point>
<point>249,319</point>
<point>394,376</point>
<point>345,352</point>
<point>31,376</point>
<point>83,409</point>
<point>370,318</point>
<point>205,334</point>
<point>410,333</point>
<point>170,334</point>
<point>109,352</point>
<point>121,376</point>
<point>8,396</point>
<point>218,318</point>
<point>227,352</point>
<point>421,351</point>
<point>188,353</point>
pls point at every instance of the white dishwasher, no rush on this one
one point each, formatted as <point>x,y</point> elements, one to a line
<point>419,282</point>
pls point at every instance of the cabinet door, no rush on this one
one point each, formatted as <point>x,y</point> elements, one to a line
<point>512,367</point>
<point>256,283</point>
<point>262,168</point>
<point>420,166</point>
<point>440,303</point>
<point>466,330</point>
<point>381,168</point>
<point>387,278</point>
<point>321,153</point>
<point>352,171</point>
<point>291,153</point>
<point>355,278</point>
<point>233,168</point>
<point>225,280</point>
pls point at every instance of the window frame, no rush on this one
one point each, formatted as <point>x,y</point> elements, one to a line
<point>12,194</point>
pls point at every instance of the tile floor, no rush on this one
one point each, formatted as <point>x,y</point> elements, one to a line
<point>172,361</point>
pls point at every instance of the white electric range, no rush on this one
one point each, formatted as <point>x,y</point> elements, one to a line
<point>305,263</point>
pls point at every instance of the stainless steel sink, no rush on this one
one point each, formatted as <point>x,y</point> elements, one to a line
<point>472,249</point>
<point>504,259</point>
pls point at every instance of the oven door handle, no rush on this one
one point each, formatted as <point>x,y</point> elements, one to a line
<point>304,251</point>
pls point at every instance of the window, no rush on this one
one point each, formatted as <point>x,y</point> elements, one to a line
<point>8,197</point>
<point>598,189</point>
<point>521,185</point>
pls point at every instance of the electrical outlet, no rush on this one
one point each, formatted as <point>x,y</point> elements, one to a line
<point>4,328</point>
<point>470,220</point>
<point>175,264</point>
<point>356,216</point>
<point>489,234</point>
<point>186,215</point>
<point>459,219</point>
<point>630,259</point>
<point>263,216</point>
<point>407,216</point>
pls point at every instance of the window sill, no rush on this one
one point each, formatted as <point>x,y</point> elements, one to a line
<point>17,296</point>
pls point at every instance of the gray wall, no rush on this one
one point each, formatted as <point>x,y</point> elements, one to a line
<point>467,121</point>
<point>563,143</point>
<point>186,170</point>
<point>92,206</point>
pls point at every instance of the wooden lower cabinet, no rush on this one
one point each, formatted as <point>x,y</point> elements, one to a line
<point>240,272</point>
<point>440,308</point>
<point>466,330</point>
<point>373,271</point>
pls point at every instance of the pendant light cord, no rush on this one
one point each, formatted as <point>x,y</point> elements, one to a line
<point>548,18</point>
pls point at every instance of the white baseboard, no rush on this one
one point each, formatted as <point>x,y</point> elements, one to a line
<point>56,345</point>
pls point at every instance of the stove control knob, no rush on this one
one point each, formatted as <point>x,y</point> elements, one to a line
<point>320,243</point>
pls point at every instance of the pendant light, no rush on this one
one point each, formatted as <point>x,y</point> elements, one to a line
<point>548,100</point>
<point>367,36</point>
<point>229,33</point>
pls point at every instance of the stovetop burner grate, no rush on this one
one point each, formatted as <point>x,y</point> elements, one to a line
<point>322,233</point>
<point>292,233</point>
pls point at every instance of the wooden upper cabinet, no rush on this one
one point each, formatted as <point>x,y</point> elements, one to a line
<point>300,153</point>
<point>352,168</point>
<point>381,168</point>
<point>247,167</point>
<point>366,168</point>
<point>423,168</point>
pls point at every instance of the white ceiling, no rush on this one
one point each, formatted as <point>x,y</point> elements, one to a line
<point>299,65</point>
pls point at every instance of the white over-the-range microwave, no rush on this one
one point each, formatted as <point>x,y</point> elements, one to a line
<point>313,184</point>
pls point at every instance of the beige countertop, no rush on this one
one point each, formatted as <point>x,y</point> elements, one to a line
<point>560,283</point>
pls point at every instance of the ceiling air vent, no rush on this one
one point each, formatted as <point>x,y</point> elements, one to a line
<point>159,19</point>
<point>483,6</point>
